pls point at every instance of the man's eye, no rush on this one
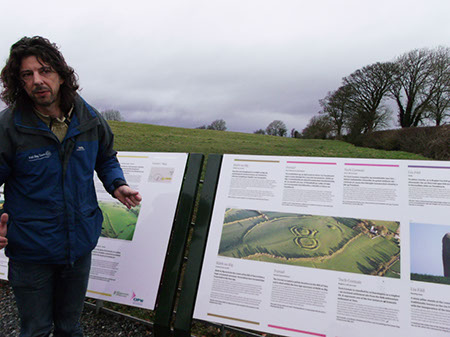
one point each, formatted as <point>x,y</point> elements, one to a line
<point>26,75</point>
<point>46,70</point>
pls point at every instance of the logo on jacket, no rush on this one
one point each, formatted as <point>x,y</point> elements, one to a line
<point>40,156</point>
<point>80,148</point>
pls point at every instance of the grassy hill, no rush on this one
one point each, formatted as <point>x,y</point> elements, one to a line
<point>154,138</point>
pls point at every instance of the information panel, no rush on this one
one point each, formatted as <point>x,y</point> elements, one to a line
<point>128,260</point>
<point>329,247</point>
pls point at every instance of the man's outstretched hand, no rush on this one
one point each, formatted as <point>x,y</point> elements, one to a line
<point>3,230</point>
<point>127,196</point>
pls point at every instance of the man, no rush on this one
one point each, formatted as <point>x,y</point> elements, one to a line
<point>51,141</point>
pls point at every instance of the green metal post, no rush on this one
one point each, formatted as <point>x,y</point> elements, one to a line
<point>185,308</point>
<point>172,268</point>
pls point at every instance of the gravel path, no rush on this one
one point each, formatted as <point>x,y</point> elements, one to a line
<point>94,325</point>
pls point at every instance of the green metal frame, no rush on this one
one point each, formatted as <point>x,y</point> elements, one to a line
<point>185,307</point>
<point>174,259</point>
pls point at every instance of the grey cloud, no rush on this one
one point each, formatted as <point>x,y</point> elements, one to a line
<point>248,62</point>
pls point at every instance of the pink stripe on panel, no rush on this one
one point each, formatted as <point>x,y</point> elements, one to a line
<point>295,330</point>
<point>310,162</point>
<point>377,165</point>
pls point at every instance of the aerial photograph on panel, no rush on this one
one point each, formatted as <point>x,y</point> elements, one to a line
<point>119,222</point>
<point>363,246</point>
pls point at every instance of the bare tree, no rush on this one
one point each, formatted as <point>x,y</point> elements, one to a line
<point>368,88</point>
<point>337,106</point>
<point>415,85</point>
<point>438,108</point>
<point>218,124</point>
<point>276,128</point>
<point>112,115</point>
<point>319,127</point>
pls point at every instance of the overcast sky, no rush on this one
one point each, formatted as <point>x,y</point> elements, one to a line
<point>188,62</point>
<point>427,260</point>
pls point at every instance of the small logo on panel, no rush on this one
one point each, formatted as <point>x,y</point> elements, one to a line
<point>120,294</point>
<point>136,300</point>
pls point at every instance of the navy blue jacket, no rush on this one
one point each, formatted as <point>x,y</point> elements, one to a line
<point>49,191</point>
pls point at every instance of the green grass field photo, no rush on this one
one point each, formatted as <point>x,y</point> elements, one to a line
<point>362,246</point>
<point>119,222</point>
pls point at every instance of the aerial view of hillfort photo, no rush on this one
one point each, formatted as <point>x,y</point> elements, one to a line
<point>361,246</point>
<point>119,222</point>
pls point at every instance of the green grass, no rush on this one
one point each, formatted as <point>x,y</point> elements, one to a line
<point>394,271</point>
<point>281,234</point>
<point>390,225</point>
<point>233,214</point>
<point>396,267</point>
<point>153,138</point>
<point>362,256</point>
<point>392,275</point>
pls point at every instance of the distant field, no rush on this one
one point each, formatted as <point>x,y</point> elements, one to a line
<point>343,244</point>
<point>118,221</point>
<point>154,138</point>
<point>430,278</point>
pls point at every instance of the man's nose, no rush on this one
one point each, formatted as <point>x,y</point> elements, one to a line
<point>37,78</point>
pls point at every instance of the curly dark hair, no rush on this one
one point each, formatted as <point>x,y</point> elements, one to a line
<point>45,51</point>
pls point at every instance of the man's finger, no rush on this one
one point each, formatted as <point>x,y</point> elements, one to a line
<point>135,199</point>
<point>3,242</point>
<point>4,219</point>
<point>3,222</point>
<point>131,201</point>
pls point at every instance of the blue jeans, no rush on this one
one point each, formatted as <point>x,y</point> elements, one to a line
<point>50,295</point>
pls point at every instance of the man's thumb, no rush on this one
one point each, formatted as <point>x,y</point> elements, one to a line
<point>3,222</point>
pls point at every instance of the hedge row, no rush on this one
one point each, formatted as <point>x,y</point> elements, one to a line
<point>432,142</point>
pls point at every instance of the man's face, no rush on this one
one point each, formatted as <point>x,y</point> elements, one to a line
<point>40,81</point>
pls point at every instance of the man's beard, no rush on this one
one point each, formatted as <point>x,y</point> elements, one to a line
<point>44,102</point>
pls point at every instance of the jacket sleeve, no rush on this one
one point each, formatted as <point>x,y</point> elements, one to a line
<point>6,152</point>
<point>107,166</point>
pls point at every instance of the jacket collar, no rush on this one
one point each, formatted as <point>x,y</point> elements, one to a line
<point>83,118</point>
